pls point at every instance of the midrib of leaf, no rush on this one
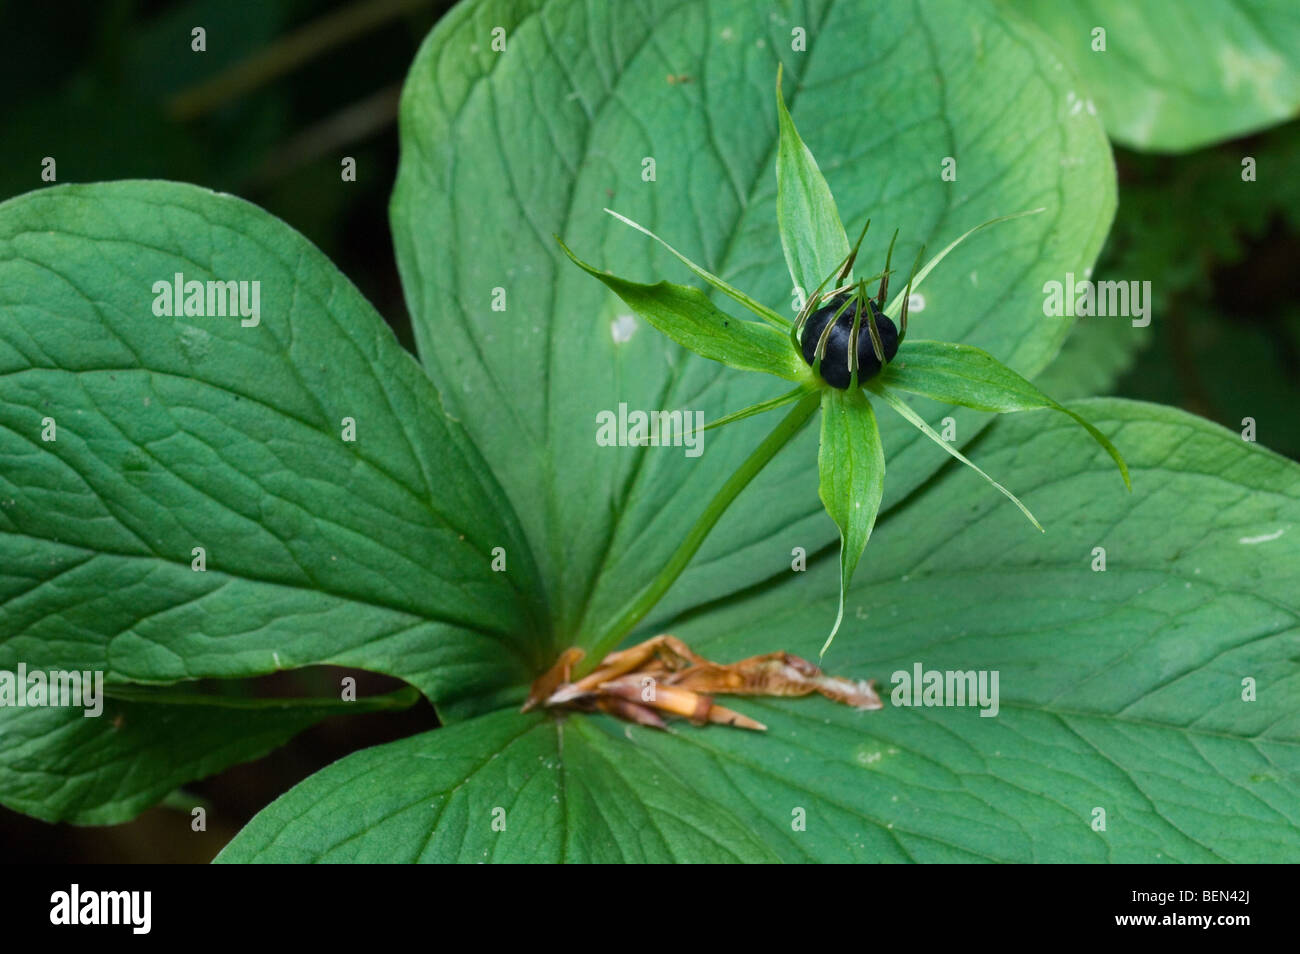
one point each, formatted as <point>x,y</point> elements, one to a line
<point>614,773</point>
<point>449,793</point>
<point>562,782</point>
<point>419,617</point>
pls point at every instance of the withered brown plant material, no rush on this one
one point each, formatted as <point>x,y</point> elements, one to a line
<point>663,676</point>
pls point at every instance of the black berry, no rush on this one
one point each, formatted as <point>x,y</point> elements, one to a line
<point>835,362</point>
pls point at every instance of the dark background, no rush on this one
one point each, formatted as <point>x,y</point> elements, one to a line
<point>287,88</point>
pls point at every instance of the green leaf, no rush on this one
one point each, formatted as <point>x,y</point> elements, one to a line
<point>812,235</point>
<point>1119,689</point>
<point>57,764</point>
<point>502,150</point>
<point>688,317</point>
<point>961,374</point>
<point>758,308</point>
<point>505,788</point>
<point>173,433</point>
<point>851,468</point>
<point>1176,76</point>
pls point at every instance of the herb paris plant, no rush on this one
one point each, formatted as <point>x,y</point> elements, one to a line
<point>828,335</point>
<point>1120,690</point>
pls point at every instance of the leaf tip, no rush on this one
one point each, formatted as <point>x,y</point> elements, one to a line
<point>839,618</point>
<point>783,113</point>
<point>569,252</point>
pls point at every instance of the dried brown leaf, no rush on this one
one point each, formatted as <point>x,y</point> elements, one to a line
<point>663,675</point>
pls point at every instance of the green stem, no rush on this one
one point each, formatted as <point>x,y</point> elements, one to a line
<point>645,600</point>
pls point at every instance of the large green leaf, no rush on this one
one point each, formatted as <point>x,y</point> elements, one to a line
<point>501,150</point>
<point>57,764</point>
<point>1176,75</point>
<point>1119,690</point>
<point>503,787</point>
<point>176,433</point>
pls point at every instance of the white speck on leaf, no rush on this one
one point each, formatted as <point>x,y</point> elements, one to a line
<point>622,328</point>
<point>1265,538</point>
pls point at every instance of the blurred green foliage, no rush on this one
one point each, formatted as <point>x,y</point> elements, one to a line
<point>1223,259</point>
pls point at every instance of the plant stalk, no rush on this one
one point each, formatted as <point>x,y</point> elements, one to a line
<point>645,600</point>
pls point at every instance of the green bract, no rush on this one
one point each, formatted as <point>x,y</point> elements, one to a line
<point>851,463</point>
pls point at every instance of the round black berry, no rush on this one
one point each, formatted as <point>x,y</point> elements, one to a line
<point>835,362</point>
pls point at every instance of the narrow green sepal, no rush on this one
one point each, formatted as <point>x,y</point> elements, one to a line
<point>893,308</point>
<point>788,398</point>
<point>909,415</point>
<point>971,377</point>
<point>758,308</point>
